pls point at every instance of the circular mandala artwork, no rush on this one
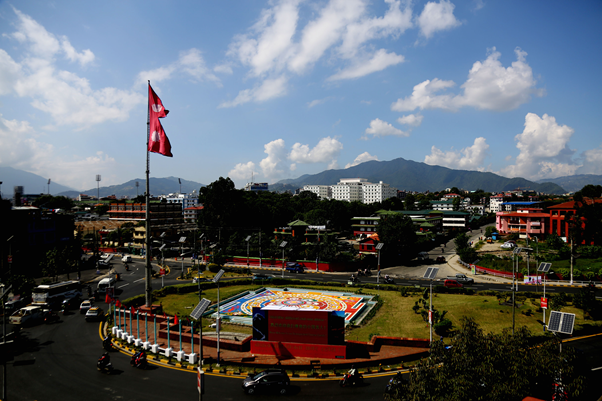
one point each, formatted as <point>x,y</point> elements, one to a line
<point>294,300</point>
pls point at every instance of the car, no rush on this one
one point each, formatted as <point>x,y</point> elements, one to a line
<point>94,313</point>
<point>268,381</point>
<point>440,259</point>
<point>294,267</point>
<point>85,306</point>
<point>261,276</point>
<point>26,315</point>
<point>12,306</point>
<point>452,284</point>
<point>200,280</point>
<point>126,259</point>
<point>70,303</point>
<point>507,245</point>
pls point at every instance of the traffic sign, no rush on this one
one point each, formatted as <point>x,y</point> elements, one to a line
<point>544,303</point>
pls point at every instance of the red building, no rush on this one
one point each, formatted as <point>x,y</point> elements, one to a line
<point>562,215</point>
<point>528,222</point>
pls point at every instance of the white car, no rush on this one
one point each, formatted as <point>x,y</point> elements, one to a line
<point>507,245</point>
<point>85,306</point>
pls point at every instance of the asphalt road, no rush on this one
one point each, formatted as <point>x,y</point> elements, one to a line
<point>58,362</point>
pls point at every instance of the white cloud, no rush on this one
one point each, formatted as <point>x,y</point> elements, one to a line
<point>317,102</point>
<point>470,158</point>
<point>544,151</point>
<point>489,86</point>
<point>20,148</point>
<point>269,89</point>
<point>379,128</point>
<point>364,157</point>
<point>378,62</point>
<point>242,171</point>
<point>272,166</point>
<point>276,43</point>
<point>592,161</point>
<point>42,44</point>
<point>189,62</point>
<point>326,151</point>
<point>66,97</point>
<point>411,119</point>
<point>437,17</point>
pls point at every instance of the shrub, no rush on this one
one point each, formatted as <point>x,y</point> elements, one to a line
<point>443,327</point>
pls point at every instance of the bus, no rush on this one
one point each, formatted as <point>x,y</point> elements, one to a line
<point>50,293</point>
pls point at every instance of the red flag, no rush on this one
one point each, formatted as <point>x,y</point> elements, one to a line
<point>155,106</point>
<point>158,141</point>
<point>175,319</point>
<point>118,303</point>
<point>107,299</point>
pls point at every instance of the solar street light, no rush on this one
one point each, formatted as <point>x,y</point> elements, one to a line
<point>431,273</point>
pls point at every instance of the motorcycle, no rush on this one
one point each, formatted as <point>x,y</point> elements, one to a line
<point>127,268</point>
<point>104,365</point>
<point>51,317</point>
<point>349,380</point>
<point>389,280</point>
<point>360,273</point>
<point>138,360</point>
<point>392,388</point>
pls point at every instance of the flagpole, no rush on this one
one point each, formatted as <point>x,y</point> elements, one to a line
<point>149,288</point>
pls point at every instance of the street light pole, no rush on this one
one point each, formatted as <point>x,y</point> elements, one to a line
<point>282,245</point>
<point>219,318</point>
<point>247,239</point>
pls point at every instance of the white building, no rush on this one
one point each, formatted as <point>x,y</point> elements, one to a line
<point>495,203</point>
<point>373,193</point>
<point>323,191</point>
<point>184,199</point>
<point>349,189</point>
<point>256,186</point>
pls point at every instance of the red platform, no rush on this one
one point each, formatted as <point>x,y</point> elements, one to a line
<point>287,350</point>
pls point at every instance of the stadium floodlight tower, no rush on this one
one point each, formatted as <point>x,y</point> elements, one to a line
<point>430,274</point>
<point>219,317</point>
<point>283,245</point>
<point>544,268</point>
<point>197,314</point>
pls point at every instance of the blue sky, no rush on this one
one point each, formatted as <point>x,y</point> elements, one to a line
<point>278,89</point>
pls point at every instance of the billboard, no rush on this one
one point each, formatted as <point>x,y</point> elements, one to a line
<point>295,325</point>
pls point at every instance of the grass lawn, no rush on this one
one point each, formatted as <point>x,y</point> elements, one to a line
<point>396,317</point>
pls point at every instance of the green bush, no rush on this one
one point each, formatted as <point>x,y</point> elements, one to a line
<point>443,327</point>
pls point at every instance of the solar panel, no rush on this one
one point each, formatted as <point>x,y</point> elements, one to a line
<point>380,245</point>
<point>561,322</point>
<point>544,267</point>
<point>200,309</point>
<point>431,272</point>
<point>218,275</point>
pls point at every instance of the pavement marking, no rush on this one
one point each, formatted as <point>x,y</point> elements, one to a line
<point>138,280</point>
<point>597,368</point>
<point>124,285</point>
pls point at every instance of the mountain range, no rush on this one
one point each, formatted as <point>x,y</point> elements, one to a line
<point>399,173</point>
<point>414,176</point>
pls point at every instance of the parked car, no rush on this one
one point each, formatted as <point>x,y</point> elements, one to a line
<point>452,284</point>
<point>440,259</point>
<point>507,245</point>
<point>94,313</point>
<point>261,276</point>
<point>271,380</point>
<point>85,306</point>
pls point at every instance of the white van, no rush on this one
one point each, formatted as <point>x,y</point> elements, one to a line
<point>26,315</point>
<point>104,284</point>
<point>126,259</point>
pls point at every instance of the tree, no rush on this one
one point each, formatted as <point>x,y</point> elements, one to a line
<point>492,367</point>
<point>456,203</point>
<point>463,249</point>
<point>398,233</point>
<point>54,202</point>
<point>410,202</point>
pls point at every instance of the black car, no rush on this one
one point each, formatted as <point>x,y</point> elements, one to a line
<point>261,276</point>
<point>271,380</point>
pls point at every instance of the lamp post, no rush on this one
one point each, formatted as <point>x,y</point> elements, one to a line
<point>182,240</point>
<point>516,252</point>
<point>282,245</point>
<point>161,248</point>
<point>219,318</point>
<point>379,246</point>
<point>247,239</point>
<point>431,273</point>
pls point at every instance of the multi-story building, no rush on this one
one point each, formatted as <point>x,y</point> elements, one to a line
<point>442,205</point>
<point>527,222</point>
<point>364,225</point>
<point>160,213</point>
<point>184,200</point>
<point>495,203</point>
<point>348,189</point>
<point>373,193</point>
<point>256,186</point>
<point>323,191</point>
<point>191,214</point>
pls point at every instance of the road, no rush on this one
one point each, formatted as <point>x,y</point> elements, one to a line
<point>58,362</point>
